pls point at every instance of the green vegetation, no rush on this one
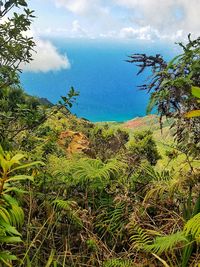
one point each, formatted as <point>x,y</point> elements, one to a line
<point>74,193</point>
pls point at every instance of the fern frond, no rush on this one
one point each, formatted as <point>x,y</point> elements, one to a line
<point>118,263</point>
<point>16,214</point>
<point>70,208</point>
<point>95,171</point>
<point>92,172</point>
<point>166,243</point>
<point>160,183</point>
<point>4,214</point>
<point>193,227</point>
<point>7,228</point>
<point>6,257</point>
<point>139,237</point>
<point>64,204</point>
<point>155,175</point>
<point>157,191</point>
<point>111,220</point>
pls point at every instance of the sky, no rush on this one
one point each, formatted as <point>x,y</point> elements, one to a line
<point>145,20</point>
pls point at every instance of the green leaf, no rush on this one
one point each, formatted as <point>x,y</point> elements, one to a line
<point>193,113</point>
<point>27,165</point>
<point>2,151</point>
<point>14,189</point>
<point>9,229</point>
<point>196,91</point>
<point>193,226</point>
<point>20,178</point>
<point>6,256</point>
<point>16,159</point>
<point>151,104</point>
<point>10,239</point>
<point>4,214</point>
<point>10,200</point>
<point>166,243</point>
<point>22,3</point>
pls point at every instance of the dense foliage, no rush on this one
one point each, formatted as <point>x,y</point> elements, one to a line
<point>74,193</point>
<point>15,45</point>
<point>174,88</point>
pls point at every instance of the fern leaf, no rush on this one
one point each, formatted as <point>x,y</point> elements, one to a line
<point>16,159</point>
<point>16,214</point>
<point>4,214</point>
<point>70,207</point>
<point>27,165</point>
<point>20,178</point>
<point>166,243</point>
<point>139,237</point>
<point>118,263</point>
<point>64,204</point>
<point>95,171</point>
<point>6,257</point>
<point>10,239</point>
<point>9,229</point>
<point>193,227</point>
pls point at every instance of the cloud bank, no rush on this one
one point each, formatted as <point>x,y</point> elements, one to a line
<point>167,17</point>
<point>141,19</point>
<point>46,58</point>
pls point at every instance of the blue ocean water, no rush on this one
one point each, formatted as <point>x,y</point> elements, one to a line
<point>107,84</point>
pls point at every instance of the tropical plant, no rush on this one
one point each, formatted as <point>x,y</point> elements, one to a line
<point>182,241</point>
<point>194,113</point>
<point>16,46</point>
<point>11,214</point>
<point>106,142</point>
<point>143,147</point>
<point>171,88</point>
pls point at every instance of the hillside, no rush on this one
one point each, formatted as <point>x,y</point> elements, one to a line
<point>79,194</point>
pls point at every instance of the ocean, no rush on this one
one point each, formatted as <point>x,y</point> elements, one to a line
<point>106,82</point>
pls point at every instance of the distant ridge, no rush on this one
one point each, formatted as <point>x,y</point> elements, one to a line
<point>44,101</point>
<point>146,121</point>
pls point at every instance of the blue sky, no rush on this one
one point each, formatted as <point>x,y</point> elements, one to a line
<point>144,20</point>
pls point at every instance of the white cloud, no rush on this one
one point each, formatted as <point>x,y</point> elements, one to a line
<point>82,7</point>
<point>75,6</point>
<point>46,58</point>
<point>140,19</point>
<point>148,33</point>
<point>93,16</point>
<point>168,17</point>
<point>143,33</point>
